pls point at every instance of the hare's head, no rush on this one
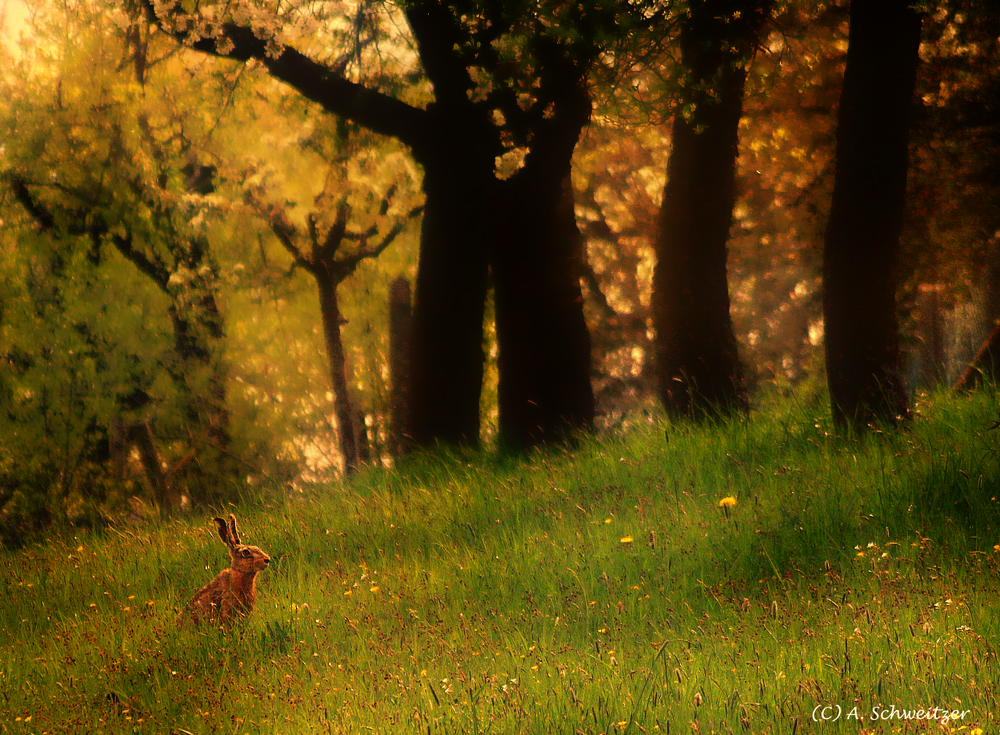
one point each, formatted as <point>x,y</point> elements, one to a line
<point>246,559</point>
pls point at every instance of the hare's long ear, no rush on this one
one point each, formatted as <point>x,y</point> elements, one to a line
<point>223,531</point>
<point>234,532</point>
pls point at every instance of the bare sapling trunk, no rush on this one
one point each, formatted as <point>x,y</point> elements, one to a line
<point>342,409</point>
<point>329,272</point>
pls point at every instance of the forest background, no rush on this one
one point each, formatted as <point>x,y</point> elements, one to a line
<point>208,210</point>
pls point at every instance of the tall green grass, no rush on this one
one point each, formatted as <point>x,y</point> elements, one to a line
<point>596,589</point>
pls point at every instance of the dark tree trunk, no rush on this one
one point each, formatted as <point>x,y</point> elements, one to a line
<point>866,216</point>
<point>199,376</point>
<point>400,331</point>
<point>450,299</point>
<point>329,309</point>
<point>697,359</point>
<point>544,392</point>
<point>457,154</point>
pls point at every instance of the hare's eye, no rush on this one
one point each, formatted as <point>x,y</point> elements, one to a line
<point>245,553</point>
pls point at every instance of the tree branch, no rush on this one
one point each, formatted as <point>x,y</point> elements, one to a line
<point>318,82</point>
<point>352,262</point>
<point>283,229</point>
<point>373,229</point>
<point>335,235</point>
<point>589,277</point>
<point>95,230</point>
<point>156,273</point>
<point>38,211</point>
<point>440,41</point>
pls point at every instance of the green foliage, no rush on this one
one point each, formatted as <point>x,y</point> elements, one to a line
<point>75,336</point>
<point>596,589</point>
<point>136,291</point>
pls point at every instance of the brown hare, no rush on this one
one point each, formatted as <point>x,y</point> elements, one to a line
<point>231,594</point>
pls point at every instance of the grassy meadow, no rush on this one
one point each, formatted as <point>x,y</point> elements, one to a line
<point>606,588</point>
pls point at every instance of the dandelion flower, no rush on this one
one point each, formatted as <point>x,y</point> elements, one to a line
<point>627,539</point>
<point>727,502</point>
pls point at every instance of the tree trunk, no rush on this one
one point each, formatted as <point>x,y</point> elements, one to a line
<point>330,314</point>
<point>866,216</point>
<point>697,359</point>
<point>400,339</point>
<point>544,390</point>
<point>447,357</point>
<point>141,435</point>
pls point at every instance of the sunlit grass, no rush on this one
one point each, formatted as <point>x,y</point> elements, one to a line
<point>740,578</point>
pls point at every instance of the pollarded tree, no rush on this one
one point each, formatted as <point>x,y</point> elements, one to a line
<point>866,216</point>
<point>329,267</point>
<point>699,368</point>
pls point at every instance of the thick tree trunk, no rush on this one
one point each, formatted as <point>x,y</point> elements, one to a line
<point>697,360</point>
<point>342,409</point>
<point>544,390</point>
<point>400,339</point>
<point>866,216</point>
<point>447,357</point>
